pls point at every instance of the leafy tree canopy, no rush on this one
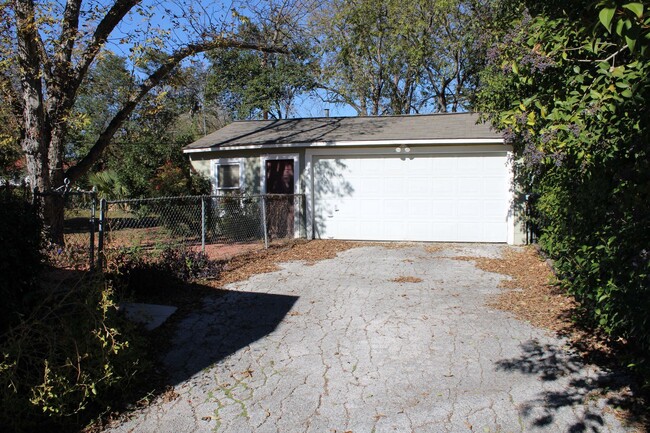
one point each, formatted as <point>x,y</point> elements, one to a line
<point>394,57</point>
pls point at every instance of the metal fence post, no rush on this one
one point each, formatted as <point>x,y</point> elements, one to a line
<point>203,222</point>
<point>102,227</point>
<point>264,229</point>
<point>93,209</point>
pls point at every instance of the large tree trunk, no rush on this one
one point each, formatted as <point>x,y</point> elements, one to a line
<point>36,141</point>
<point>53,217</point>
<point>54,205</point>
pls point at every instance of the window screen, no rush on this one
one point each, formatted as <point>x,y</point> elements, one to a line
<point>228,176</point>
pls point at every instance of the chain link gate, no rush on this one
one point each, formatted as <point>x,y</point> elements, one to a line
<point>79,225</point>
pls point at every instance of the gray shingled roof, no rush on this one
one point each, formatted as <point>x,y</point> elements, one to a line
<point>342,129</point>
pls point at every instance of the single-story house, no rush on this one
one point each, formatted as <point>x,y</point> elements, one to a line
<point>438,177</point>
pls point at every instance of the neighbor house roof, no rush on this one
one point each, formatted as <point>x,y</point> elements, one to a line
<point>305,131</point>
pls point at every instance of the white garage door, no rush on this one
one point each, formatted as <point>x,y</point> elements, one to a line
<point>463,198</point>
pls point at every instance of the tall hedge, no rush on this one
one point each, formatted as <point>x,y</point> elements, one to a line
<point>569,85</point>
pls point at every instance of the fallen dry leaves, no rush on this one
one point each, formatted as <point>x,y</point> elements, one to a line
<point>437,247</point>
<point>244,266</point>
<point>407,279</point>
<point>533,296</point>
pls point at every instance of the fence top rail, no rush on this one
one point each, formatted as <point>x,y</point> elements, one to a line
<point>198,197</point>
<point>62,193</point>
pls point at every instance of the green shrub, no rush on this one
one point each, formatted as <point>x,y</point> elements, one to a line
<point>67,361</point>
<point>570,89</point>
<point>597,228</point>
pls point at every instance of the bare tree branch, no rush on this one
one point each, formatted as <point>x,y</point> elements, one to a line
<point>69,30</point>
<point>106,26</point>
<point>73,173</point>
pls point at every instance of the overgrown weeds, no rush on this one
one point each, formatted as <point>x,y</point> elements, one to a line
<point>71,357</point>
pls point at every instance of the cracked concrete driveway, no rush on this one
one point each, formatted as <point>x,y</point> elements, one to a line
<point>340,346</point>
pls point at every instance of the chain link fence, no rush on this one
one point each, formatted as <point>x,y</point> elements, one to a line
<point>220,226</point>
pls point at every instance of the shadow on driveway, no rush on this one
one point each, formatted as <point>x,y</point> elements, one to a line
<point>552,364</point>
<point>223,326</point>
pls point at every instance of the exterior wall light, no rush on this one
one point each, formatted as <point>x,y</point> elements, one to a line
<point>402,148</point>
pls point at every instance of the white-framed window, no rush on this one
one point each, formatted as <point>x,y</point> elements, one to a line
<point>228,175</point>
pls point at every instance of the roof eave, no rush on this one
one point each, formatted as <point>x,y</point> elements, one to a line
<point>361,143</point>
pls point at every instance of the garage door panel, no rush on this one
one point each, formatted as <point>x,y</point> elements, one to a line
<point>419,210</point>
<point>394,209</point>
<point>494,166</point>
<point>495,210</point>
<point>495,188</point>
<point>393,186</point>
<point>347,228</point>
<point>370,187</point>
<point>444,187</point>
<point>373,228</point>
<point>394,229</point>
<point>391,166</point>
<point>423,197</point>
<point>421,167</point>
<point>417,229</point>
<point>420,187</point>
<point>443,209</point>
<point>470,210</point>
<point>470,187</point>
<point>445,232</point>
<point>491,232</point>
<point>444,165</point>
<point>372,206</point>
<point>470,164</point>
<point>469,232</point>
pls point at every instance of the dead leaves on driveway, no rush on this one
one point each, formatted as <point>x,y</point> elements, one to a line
<point>245,266</point>
<point>533,295</point>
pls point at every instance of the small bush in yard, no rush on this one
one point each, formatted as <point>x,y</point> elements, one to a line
<point>72,357</point>
<point>187,265</point>
<point>144,275</point>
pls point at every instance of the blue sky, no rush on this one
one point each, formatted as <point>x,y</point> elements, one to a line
<point>206,14</point>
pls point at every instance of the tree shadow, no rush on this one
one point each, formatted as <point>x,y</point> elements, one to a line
<point>282,131</point>
<point>580,391</point>
<point>327,193</point>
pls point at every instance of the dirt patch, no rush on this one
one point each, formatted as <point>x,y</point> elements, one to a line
<point>407,279</point>
<point>227,251</point>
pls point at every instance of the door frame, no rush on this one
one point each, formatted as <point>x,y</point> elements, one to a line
<point>296,183</point>
<point>280,156</point>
